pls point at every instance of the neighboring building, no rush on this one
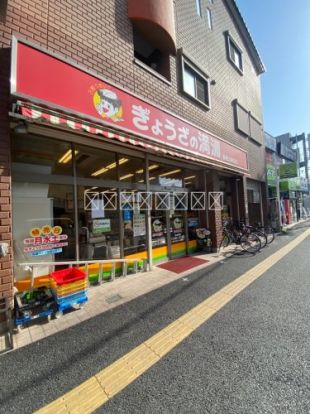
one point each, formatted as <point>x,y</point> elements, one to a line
<point>298,143</point>
<point>294,181</point>
<point>272,166</point>
<point>134,95</point>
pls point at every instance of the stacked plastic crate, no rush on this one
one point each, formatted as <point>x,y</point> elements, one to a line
<point>69,287</point>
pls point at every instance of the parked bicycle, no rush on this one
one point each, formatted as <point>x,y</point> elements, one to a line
<point>265,233</point>
<point>240,235</point>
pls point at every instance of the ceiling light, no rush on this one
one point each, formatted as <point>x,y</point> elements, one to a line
<point>188,178</point>
<point>170,173</point>
<point>109,167</point>
<point>152,178</point>
<point>126,176</point>
<point>98,172</point>
<point>67,157</point>
<point>122,161</point>
<point>151,167</point>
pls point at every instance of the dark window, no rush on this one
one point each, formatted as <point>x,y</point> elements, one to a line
<point>195,84</point>
<point>234,54</point>
<point>154,58</point>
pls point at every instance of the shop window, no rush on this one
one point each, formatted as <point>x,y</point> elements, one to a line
<point>165,175</point>
<point>95,163</point>
<point>131,169</point>
<point>98,224</point>
<point>43,224</point>
<point>134,222</point>
<point>150,55</point>
<point>42,191</point>
<point>41,156</point>
<point>234,53</point>
<point>195,84</point>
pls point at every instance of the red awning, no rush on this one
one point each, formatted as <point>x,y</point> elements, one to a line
<point>38,114</point>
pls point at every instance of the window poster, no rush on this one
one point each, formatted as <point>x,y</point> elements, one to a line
<point>139,228</point>
<point>45,240</point>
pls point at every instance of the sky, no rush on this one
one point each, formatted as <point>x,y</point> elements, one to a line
<point>281,33</point>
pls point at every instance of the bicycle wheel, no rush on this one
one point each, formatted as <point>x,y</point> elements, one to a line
<point>225,240</point>
<point>269,231</point>
<point>250,243</point>
<point>262,237</point>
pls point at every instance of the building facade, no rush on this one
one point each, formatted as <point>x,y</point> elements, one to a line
<point>126,97</point>
<point>294,176</point>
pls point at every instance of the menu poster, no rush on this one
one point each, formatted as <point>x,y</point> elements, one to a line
<point>139,228</point>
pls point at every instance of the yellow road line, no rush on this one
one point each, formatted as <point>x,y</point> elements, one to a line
<point>98,389</point>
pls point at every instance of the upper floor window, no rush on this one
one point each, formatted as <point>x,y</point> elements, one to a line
<point>209,17</point>
<point>154,58</point>
<point>195,84</point>
<point>234,54</point>
<point>198,8</point>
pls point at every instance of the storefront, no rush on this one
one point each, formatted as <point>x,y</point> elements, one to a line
<point>79,144</point>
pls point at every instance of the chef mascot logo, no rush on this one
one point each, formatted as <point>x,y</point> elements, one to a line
<point>108,105</point>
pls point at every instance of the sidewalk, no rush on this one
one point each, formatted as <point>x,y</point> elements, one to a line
<point>107,296</point>
<point>286,227</point>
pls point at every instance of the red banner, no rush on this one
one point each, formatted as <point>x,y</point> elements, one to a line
<point>41,77</point>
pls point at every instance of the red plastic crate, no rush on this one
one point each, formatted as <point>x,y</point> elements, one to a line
<point>62,277</point>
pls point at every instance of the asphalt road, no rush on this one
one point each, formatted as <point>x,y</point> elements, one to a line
<point>253,356</point>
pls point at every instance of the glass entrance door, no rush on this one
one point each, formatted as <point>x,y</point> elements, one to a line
<point>177,247</point>
<point>159,236</point>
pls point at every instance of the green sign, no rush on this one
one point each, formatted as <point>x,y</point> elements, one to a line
<point>291,184</point>
<point>101,226</point>
<point>271,175</point>
<point>288,170</point>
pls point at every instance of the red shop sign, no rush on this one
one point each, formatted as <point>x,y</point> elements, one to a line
<point>46,79</point>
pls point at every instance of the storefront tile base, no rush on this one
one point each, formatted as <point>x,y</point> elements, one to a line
<point>125,288</point>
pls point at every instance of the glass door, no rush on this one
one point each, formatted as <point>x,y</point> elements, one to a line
<point>159,236</point>
<point>177,234</point>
